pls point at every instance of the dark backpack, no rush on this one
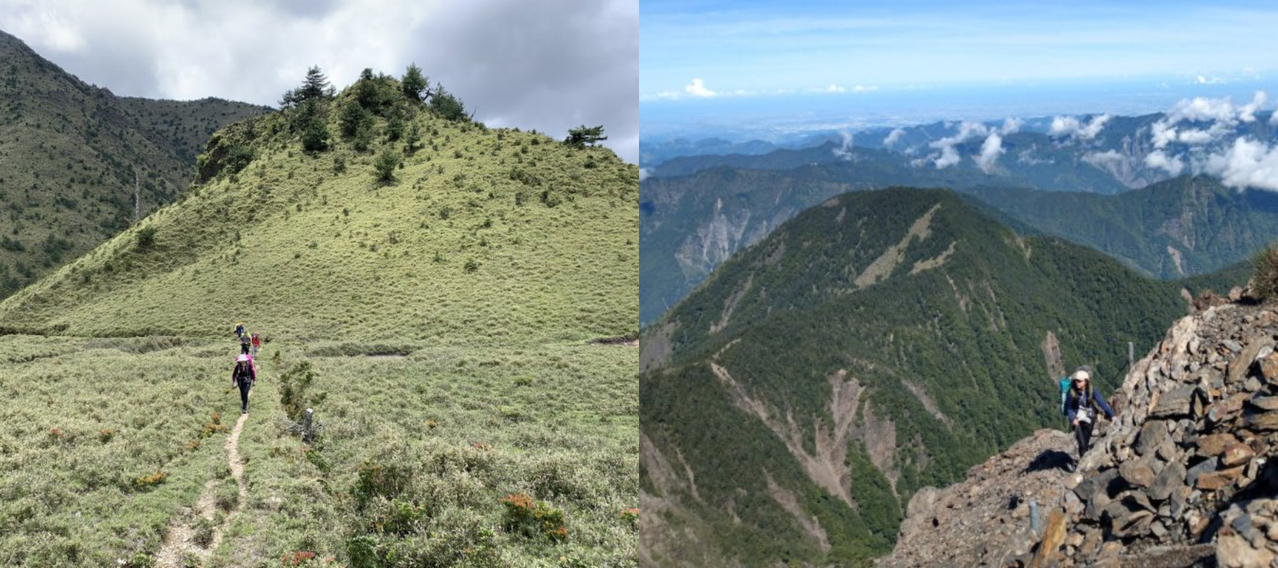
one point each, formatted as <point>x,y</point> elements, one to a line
<point>243,374</point>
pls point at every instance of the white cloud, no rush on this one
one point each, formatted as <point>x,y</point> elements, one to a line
<point>697,88</point>
<point>1012,125</point>
<point>1162,133</point>
<point>1170,164</point>
<point>1248,163</point>
<point>1103,160</point>
<point>1202,109</point>
<point>949,156</point>
<point>893,137</point>
<point>644,173</point>
<point>991,149</point>
<point>835,89</point>
<point>1201,80</point>
<point>1069,126</point>
<point>864,88</point>
<point>845,152</point>
<point>1247,112</point>
<point>1193,136</point>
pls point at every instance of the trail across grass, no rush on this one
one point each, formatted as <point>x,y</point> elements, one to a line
<point>105,442</point>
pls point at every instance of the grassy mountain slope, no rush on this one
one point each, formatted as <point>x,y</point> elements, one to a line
<point>820,377</point>
<point>489,234</point>
<point>69,152</point>
<point>436,322</point>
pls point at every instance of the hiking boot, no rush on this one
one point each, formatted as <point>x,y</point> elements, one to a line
<point>243,411</point>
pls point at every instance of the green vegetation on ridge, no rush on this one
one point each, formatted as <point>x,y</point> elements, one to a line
<point>71,155</point>
<point>435,319</point>
<point>948,345</point>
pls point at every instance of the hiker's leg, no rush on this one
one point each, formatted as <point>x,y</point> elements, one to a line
<point>1086,428</point>
<point>244,388</point>
<point>1078,437</point>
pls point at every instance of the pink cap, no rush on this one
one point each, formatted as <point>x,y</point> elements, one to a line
<point>243,358</point>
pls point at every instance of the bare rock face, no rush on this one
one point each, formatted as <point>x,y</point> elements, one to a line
<point>985,520</point>
<point>1185,475</point>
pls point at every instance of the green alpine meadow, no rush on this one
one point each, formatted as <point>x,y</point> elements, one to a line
<point>447,374</point>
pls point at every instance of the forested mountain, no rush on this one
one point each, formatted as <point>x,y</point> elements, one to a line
<point>73,156</point>
<point>872,345</point>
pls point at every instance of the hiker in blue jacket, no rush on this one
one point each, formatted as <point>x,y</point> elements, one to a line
<point>1080,406</point>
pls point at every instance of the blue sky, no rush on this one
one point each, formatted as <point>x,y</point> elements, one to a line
<point>736,60</point>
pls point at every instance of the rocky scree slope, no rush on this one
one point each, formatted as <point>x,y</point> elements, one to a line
<point>1183,476</point>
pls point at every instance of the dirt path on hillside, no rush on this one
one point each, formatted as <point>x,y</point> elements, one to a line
<point>181,539</point>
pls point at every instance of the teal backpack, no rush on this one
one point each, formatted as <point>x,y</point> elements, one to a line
<point>1065,384</point>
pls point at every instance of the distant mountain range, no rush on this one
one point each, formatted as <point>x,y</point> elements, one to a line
<point>874,344</point>
<point>71,155</point>
<point>1178,227</point>
<point>1094,153</point>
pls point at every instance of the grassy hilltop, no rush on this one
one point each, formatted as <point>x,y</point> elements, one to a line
<point>435,313</point>
<point>483,234</point>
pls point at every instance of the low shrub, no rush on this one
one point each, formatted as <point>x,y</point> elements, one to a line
<point>531,518</point>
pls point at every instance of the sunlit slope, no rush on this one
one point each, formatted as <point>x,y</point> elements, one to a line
<point>484,235</point>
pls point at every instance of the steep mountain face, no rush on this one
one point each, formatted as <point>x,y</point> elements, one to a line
<point>478,233</point>
<point>72,155</point>
<point>1184,475</point>
<point>1176,228</point>
<point>881,342</point>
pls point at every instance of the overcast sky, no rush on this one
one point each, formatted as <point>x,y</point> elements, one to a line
<point>548,65</point>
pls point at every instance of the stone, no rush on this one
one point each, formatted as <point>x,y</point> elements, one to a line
<point>1252,384</point>
<point>1158,529</point>
<point>1053,537</point>
<point>1091,544</point>
<point>1073,505</point>
<point>1074,539</point>
<point>1231,345</point>
<point>1174,403</point>
<point>1072,480</point>
<point>1137,500</point>
<point>1214,444</point>
<point>1168,481</point>
<point>1191,476</point>
<point>1134,524</point>
<point>1261,421</point>
<point>1225,410</point>
<point>1264,403</point>
<point>1152,434</point>
<point>1269,367</point>
<point>1238,367</point>
<point>1218,479</point>
<point>1233,551</point>
<point>1237,454</point>
<point>1096,483</point>
<point>1168,451</point>
<point>1138,473</point>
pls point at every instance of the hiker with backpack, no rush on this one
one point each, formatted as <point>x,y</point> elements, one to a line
<point>239,330</point>
<point>244,343</point>
<point>243,377</point>
<point>257,344</point>
<point>1081,405</point>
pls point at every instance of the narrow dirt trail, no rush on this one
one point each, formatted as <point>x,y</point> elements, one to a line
<point>181,539</point>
